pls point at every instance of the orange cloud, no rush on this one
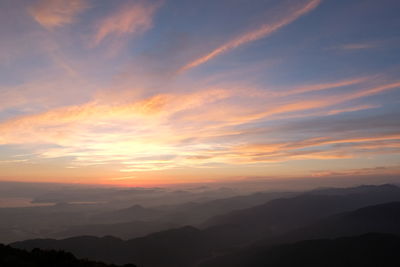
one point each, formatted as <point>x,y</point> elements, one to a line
<point>296,106</point>
<point>373,91</point>
<point>56,13</point>
<point>322,86</point>
<point>132,18</point>
<point>305,149</point>
<point>154,109</point>
<point>351,109</point>
<point>254,35</point>
<point>187,129</point>
<point>264,106</point>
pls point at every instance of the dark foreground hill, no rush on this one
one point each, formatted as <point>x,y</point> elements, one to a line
<point>374,249</point>
<point>12,257</point>
<point>181,247</point>
<point>175,247</point>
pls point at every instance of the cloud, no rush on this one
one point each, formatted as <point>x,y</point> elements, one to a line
<point>379,170</point>
<point>357,46</point>
<point>351,109</point>
<point>55,13</point>
<point>320,102</point>
<point>345,125</point>
<point>157,108</point>
<point>322,86</point>
<point>132,18</point>
<point>43,93</point>
<point>200,128</point>
<point>73,107</point>
<point>256,34</point>
<point>320,148</point>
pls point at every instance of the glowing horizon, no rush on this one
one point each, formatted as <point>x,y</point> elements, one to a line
<point>162,92</point>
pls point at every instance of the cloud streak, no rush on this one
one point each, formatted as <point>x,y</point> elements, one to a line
<point>254,35</point>
<point>358,46</point>
<point>320,148</point>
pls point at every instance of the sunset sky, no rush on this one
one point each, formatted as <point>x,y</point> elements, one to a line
<point>168,91</point>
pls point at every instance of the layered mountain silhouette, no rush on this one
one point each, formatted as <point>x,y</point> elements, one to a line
<point>126,230</point>
<point>282,215</point>
<point>191,213</point>
<point>135,212</point>
<point>275,222</point>
<point>382,218</point>
<point>195,213</point>
<point>120,219</point>
<point>372,249</point>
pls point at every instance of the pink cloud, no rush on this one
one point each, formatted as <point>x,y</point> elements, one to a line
<point>133,18</point>
<point>56,13</point>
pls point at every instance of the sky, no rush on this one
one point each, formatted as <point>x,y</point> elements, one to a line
<point>145,92</point>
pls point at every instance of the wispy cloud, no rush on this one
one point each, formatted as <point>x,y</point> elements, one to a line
<point>56,13</point>
<point>357,46</point>
<point>189,129</point>
<point>158,108</point>
<point>322,86</point>
<point>351,109</point>
<point>313,148</point>
<point>253,35</point>
<point>380,170</point>
<point>132,18</point>
<point>321,102</point>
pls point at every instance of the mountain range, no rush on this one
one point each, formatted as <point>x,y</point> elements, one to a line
<point>326,213</point>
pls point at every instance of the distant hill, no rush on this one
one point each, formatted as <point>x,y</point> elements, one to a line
<point>133,213</point>
<point>126,230</point>
<point>195,213</point>
<point>190,213</point>
<point>374,249</point>
<point>281,215</point>
<point>355,190</point>
<point>185,246</point>
<point>64,220</point>
<point>12,257</point>
<point>382,218</point>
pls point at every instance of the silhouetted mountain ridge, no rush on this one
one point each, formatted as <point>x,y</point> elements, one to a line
<point>382,218</point>
<point>281,215</point>
<point>126,230</point>
<point>355,190</point>
<point>132,213</point>
<point>12,257</point>
<point>374,249</point>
